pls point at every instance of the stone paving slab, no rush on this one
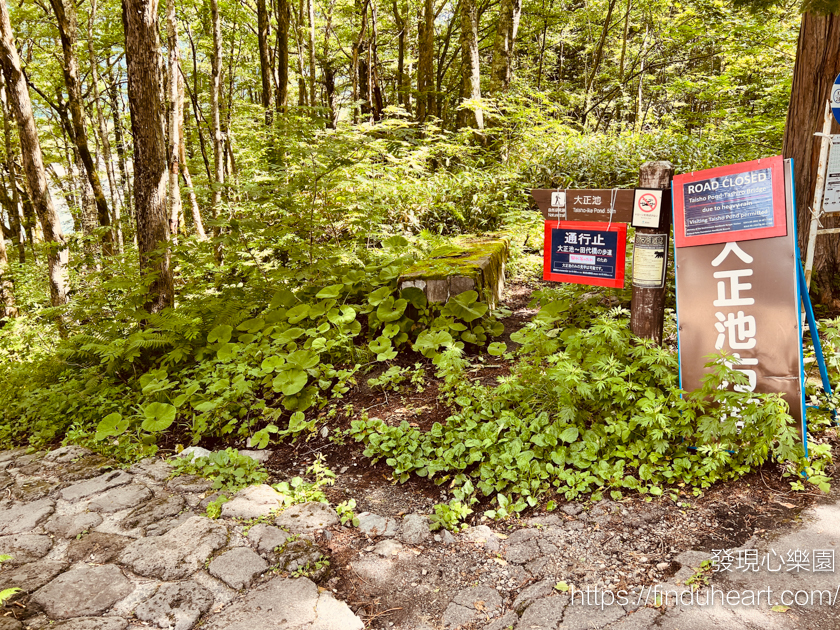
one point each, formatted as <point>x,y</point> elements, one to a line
<point>130,550</point>
<point>287,604</point>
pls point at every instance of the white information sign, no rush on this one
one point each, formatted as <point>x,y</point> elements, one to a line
<point>647,206</point>
<point>831,199</point>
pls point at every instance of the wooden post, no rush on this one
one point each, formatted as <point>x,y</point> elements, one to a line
<point>647,311</point>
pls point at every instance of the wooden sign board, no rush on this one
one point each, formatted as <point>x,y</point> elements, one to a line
<point>585,253</point>
<point>585,205</point>
<point>741,296</point>
<point>740,202</point>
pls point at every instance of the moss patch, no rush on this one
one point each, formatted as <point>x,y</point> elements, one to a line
<point>480,259</point>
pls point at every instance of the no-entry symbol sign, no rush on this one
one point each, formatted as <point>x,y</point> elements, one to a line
<point>647,206</point>
<point>648,203</point>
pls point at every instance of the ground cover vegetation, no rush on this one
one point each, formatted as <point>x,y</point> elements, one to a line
<point>224,271</point>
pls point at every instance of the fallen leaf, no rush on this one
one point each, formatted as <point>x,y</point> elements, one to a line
<point>779,608</point>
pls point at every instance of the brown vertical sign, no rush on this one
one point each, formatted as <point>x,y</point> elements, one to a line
<point>740,296</point>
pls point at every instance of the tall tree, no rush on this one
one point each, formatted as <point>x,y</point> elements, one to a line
<point>215,94</point>
<point>471,73</point>
<point>425,66</point>
<point>15,219</point>
<point>282,54</point>
<point>104,140</point>
<point>310,4</point>
<point>66,19</point>
<point>175,111</point>
<point>7,295</point>
<point>33,161</point>
<point>142,47</point>
<point>265,61</point>
<point>817,64</point>
<point>501,71</point>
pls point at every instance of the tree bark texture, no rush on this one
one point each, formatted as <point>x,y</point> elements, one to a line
<point>7,295</point>
<point>103,132</point>
<point>15,219</point>
<point>817,64</point>
<point>282,54</point>
<point>176,120</point>
<point>310,4</point>
<point>501,71</point>
<point>66,19</point>
<point>471,74</point>
<point>215,93</point>
<point>33,161</point>
<point>265,61</point>
<point>142,45</point>
<point>425,64</point>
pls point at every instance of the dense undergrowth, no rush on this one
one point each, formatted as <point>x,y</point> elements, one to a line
<point>267,343</point>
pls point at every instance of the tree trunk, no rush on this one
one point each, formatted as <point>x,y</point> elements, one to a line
<point>103,131</point>
<point>425,66</point>
<point>299,37</point>
<point>265,62</point>
<point>33,161</point>
<point>282,54</point>
<point>176,119</point>
<point>66,20</point>
<point>817,64</point>
<point>599,50</point>
<point>501,71</point>
<point>312,84</point>
<point>185,173</point>
<point>119,137</point>
<point>142,46</point>
<point>7,295</point>
<point>471,84</point>
<point>403,87</point>
<point>215,93</point>
<point>15,219</point>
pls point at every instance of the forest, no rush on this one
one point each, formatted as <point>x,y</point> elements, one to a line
<point>206,205</point>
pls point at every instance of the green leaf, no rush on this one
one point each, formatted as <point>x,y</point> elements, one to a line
<point>158,417</point>
<point>111,425</point>
<point>221,333</point>
<point>270,364</point>
<point>395,242</point>
<point>288,335</point>
<point>562,587</point>
<point>390,310</point>
<point>415,297</point>
<point>465,306</point>
<point>228,350</point>
<point>497,348</point>
<point>569,434</point>
<point>379,296</point>
<point>330,292</point>
<point>290,382</point>
<point>380,344</point>
<point>346,315</point>
<point>298,313</point>
<point>304,359</point>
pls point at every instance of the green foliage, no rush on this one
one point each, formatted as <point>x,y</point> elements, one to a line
<point>214,508</point>
<point>227,469</point>
<point>346,514</point>
<point>585,411</point>
<point>449,516</point>
<point>297,490</point>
